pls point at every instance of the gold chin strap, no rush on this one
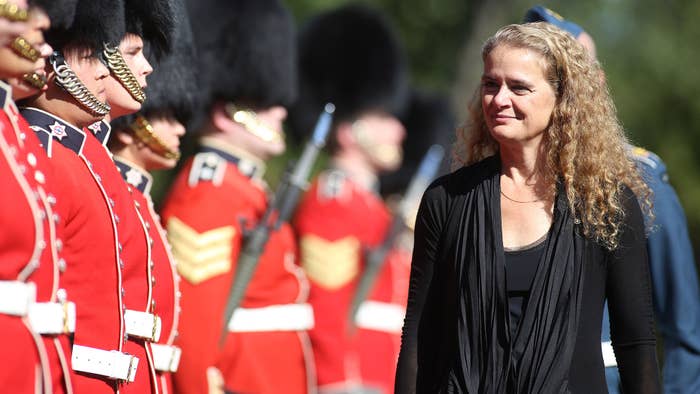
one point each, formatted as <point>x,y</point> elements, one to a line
<point>144,132</point>
<point>37,81</point>
<point>66,78</point>
<point>118,67</point>
<point>249,119</point>
<point>24,49</point>
<point>12,12</point>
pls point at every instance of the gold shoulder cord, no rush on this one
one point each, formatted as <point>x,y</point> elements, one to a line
<point>66,78</point>
<point>12,12</point>
<point>144,132</point>
<point>116,64</point>
<point>23,48</point>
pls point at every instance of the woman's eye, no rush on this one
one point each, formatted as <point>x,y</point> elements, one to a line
<point>521,89</point>
<point>489,86</point>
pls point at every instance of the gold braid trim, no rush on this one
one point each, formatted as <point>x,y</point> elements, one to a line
<point>12,12</point>
<point>66,78</point>
<point>249,119</point>
<point>23,48</point>
<point>35,80</point>
<point>116,64</point>
<point>144,132</point>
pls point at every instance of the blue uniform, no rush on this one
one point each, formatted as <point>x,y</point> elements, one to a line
<point>675,283</point>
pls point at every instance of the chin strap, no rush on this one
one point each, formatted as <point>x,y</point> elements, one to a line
<point>36,81</point>
<point>24,49</point>
<point>66,78</point>
<point>249,119</point>
<point>119,68</point>
<point>12,12</point>
<point>144,132</point>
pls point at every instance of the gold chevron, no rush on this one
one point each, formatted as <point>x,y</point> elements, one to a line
<point>200,256</point>
<point>330,264</point>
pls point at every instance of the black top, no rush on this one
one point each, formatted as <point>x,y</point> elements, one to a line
<point>521,267</point>
<point>428,364</point>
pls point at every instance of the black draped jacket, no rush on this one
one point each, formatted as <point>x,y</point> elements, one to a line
<point>457,337</point>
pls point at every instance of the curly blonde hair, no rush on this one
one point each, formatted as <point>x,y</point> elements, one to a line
<point>584,145</point>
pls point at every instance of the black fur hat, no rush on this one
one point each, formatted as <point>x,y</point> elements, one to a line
<point>349,56</point>
<point>172,87</point>
<point>153,21</point>
<point>428,120</point>
<point>96,22</point>
<point>247,52</point>
<point>61,12</point>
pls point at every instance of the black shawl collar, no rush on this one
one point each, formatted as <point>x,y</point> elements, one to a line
<point>472,351</point>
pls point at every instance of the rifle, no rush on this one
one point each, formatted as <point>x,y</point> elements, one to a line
<point>279,211</point>
<point>375,258</point>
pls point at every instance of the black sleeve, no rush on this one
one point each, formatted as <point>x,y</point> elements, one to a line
<point>427,235</point>
<point>628,289</point>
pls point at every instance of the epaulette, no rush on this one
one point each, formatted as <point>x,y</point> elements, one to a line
<point>650,162</point>
<point>207,167</point>
<point>333,184</point>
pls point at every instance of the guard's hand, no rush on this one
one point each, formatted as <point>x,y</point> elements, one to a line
<point>215,380</point>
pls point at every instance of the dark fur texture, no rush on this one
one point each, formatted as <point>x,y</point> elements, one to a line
<point>246,51</point>
<point>61,12</point>
<point>153,21</point>
<point>349,56</point>
<point>96,22</point>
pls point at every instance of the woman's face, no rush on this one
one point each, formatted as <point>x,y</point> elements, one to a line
<point>516,99</point>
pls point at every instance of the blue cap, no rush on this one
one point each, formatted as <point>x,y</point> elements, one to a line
<point>540,13</point>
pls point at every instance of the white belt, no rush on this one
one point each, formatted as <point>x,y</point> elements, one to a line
<point>380,316</point>
<point>52,317</point>
<point>19,299</point>
<point>108,363</point>
<point>166,358</point>
<point>16,297</point>
<point>609,359</point>
<point>142,325</point>
<point>287,317</point>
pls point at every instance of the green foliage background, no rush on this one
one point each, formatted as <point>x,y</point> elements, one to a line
<point>648,50</point>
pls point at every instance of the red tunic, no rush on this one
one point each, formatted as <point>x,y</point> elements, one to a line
<point>137,278</point>
<point>165,300</point>
<point>90,244</point>
<point>29,254</point>
<point>213,199</point>
<point>337,222</point>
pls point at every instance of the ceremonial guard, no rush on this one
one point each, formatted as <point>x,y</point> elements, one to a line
<point>145,22</point>
<point>74,98</point>
<point>147,141</point>
<point>36,317</point>
<point>350,57</point>
<point>248,57</point>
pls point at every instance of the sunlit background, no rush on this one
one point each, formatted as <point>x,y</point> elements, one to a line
<point>649,50</point>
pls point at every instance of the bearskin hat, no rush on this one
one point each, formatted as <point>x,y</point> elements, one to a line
<point>96,22</point>
<point>172,87</point>
<point>349,56</point>
<point>246,50</point>
<point>61,12</point>
<point>153,21</point>
<point>428,120</point>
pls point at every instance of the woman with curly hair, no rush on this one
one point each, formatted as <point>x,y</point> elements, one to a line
<point>516,252</point>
